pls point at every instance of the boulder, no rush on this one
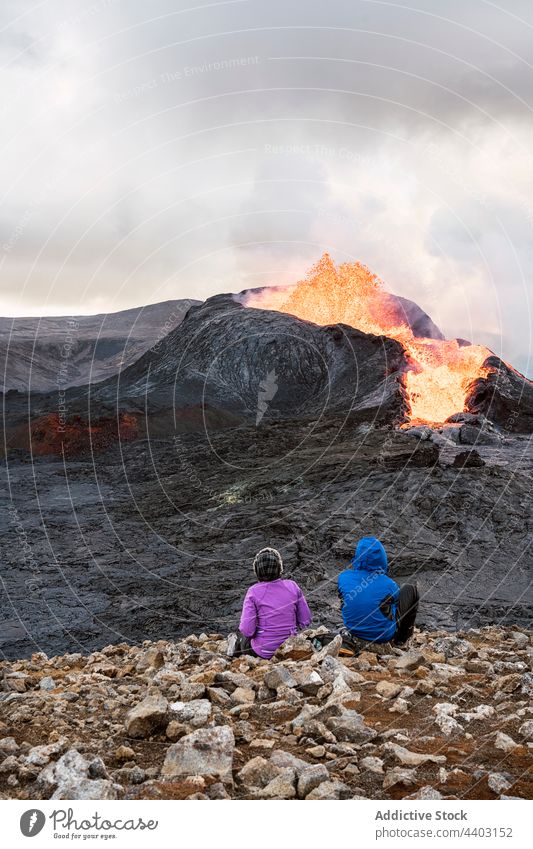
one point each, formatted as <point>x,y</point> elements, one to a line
<point>444,718</point>
<point>147,717</point>
<point>521,639</point>
<point>207,751</point>
<point>9,765</point>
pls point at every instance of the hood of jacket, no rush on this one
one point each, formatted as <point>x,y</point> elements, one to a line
<point>370,556</point>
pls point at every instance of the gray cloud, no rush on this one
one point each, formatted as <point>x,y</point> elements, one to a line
<point>157,151</point>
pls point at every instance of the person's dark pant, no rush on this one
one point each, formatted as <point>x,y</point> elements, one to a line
<point>406,611</point>
<point>244,646</point>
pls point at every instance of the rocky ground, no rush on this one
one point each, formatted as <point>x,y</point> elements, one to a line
<point>449,717</point>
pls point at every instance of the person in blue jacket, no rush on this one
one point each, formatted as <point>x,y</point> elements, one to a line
<point>374,607</point>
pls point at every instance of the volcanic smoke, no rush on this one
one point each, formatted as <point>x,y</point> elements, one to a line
<point>440,372</point>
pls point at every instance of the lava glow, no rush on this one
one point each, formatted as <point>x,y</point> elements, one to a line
<point>441,370</point>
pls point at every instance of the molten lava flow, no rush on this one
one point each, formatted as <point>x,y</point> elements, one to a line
<point>441,370</point>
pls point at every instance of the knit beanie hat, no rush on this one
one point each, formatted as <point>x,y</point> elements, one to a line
<point>268,564</point>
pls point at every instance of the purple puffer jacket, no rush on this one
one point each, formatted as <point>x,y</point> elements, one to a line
<point>272,611</point>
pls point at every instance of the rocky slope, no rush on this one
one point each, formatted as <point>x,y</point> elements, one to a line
<point>448,718</point>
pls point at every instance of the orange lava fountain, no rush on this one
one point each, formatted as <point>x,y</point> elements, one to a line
<point>441,370</point>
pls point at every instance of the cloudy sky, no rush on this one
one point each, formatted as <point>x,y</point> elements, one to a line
<point>178,148</point>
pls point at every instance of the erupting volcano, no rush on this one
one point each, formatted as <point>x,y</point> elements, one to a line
<point>441,370</point>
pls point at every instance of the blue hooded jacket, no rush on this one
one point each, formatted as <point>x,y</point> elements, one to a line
<point>369,596</point>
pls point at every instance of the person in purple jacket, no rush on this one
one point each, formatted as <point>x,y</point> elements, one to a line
<point>273,609</point>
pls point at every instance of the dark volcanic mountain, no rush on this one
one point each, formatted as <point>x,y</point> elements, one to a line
<point>38,354</point>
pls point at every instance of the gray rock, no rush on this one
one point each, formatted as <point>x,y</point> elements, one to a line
<point>69,769</point>
<point>190,691</point>
<point>526,684</point>
<point>504,742</point>
<point>195,713</point>
<point>498,783</point>
<point>281,787</point>
<point>310,778</point>
<point>331,669</point>
<point>9,746</point>
<point>208,751</point>
<point>231,680</point>
<point>526,729</point>
<point>330,650</point>
<point>9,765</point>
<point>426,792</point>
<point>285,760</point>
<point>372,764</point>
<point>408,660</point>
<point>521,639</point>
<point>309,682</point>
<point>350,727</point>
<point>399,775</point>
<point>453,646</point>
<point>408,758</point>
<point>41,755</point>
<point>47,683</point>
<point>279,676</point>
<point>129,775</point>
<point>85,788</point>
<point>330,790</point>
<point>97,768</point>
